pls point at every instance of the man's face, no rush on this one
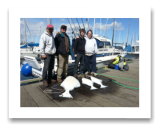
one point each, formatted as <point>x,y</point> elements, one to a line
<point>89,34</point>
<point>63,29</point>
<point>82,34</point>
<point>50,30</point>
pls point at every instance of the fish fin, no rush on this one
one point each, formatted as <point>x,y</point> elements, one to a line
<point>93,88</point>
<point>66,94</point>
<point>102,86</point>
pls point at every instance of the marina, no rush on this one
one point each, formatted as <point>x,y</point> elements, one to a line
<point>111,88</point>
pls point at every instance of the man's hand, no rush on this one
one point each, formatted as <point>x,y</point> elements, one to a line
<point>58,33</point>
<point>73,50</point>
<point>75,55</point>
<point>44,56</point>
<point>77,37</point>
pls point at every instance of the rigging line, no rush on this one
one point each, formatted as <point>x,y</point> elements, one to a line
<point>71,28</point>
<point>83,23</point>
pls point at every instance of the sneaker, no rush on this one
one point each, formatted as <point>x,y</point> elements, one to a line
<point>45,83</point>
<point>87,73</point>
<point>94,74</point>
<point>75,75</point>
<point>82,74</point>
<point>59,80</point>
<point>53,81</point>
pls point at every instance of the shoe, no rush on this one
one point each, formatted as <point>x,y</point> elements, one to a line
<point>65,77</point>
<point>87,73</point>
<point>82,74</point>
<point>53,81</point>
<point>94,74</point>
<point>75,75</point>
<point>45,83</point>
<point>59,80</point>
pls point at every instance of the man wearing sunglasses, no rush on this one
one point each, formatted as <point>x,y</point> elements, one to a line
<point>62,43</point>
<point>47,50</point>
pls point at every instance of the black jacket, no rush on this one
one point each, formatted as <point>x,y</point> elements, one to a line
<point>79,46</point>
<point>60,44</point>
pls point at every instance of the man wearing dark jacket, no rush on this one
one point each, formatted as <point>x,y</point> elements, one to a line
<point>79,50</point>
<point>62,43</point>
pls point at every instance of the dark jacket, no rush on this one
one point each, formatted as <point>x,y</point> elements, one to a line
<point>79,46</point>
<point>60,44</point>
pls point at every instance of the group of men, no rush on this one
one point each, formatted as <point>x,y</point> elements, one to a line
<point>85,49</point>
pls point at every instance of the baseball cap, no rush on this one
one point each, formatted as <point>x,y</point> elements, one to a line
<point>49,26</point>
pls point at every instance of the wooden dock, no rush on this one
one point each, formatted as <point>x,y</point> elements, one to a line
<point>32,95</point>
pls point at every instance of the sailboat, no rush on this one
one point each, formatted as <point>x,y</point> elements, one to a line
<point>133,49</point>
<point>31,48</point>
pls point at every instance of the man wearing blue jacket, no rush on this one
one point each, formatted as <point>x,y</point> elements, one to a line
<point>47,50</point>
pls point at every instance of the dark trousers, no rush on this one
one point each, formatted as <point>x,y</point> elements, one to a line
<point>111,65</point>
<point>79,58</point>
<point>48,67</point>
<point>90,60</point>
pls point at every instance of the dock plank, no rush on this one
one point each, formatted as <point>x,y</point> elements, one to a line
<point>98,99</point>
<point>84,101</point>
<point>116,99</point>
<point>39,97</point>
<point>26,100</point>
<point>62,102</point>
<point>124,93</point>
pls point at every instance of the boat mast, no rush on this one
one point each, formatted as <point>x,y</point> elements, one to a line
<point>48,19</point>
<point>40,30</point>
<point>83,23</point>
<point>119,37</point>
<point>88,23</point>
<point>25,31</point>
<point>29,32</point>
<point>100,26</point>
<point>105,28</point>
<point>116,35</point>
<point>56,26</point>
<point>113,32</point>
<point>128,33</point>
<point>94,26</point>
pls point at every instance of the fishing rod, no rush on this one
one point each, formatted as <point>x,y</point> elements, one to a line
<point>71,28</point>
<point>83,23</point>
<point>74,26</point>
<point>87,24</point>
<point>78,23</point>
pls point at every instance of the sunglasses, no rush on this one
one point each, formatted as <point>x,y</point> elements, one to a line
<point>51,29</point>
<point>64,28</point>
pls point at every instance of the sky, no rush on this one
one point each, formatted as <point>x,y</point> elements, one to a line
<point>103,27</point>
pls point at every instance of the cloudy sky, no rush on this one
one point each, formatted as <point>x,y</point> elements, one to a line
<point>103,27</point>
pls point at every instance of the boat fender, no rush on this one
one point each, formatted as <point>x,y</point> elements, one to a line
<point>26,70</point>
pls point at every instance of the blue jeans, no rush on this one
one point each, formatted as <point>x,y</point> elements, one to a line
<point>90,61</point>
<point>79,58</point>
